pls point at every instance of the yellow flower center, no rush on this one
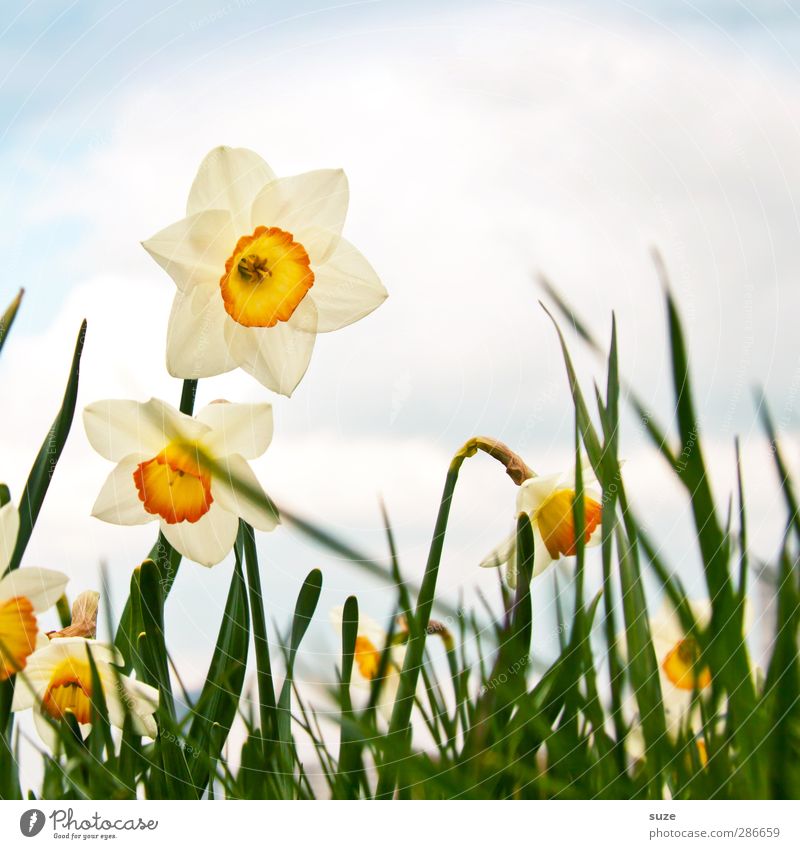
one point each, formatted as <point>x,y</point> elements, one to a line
<point>680,666</point>
<point>174,484</point>
<point>18,631</point>
<point>557,525</point>
<point>367,657</point>
<point>266,277</point>
<point>70,691</point>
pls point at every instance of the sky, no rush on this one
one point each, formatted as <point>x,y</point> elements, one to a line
<point>485,143</point>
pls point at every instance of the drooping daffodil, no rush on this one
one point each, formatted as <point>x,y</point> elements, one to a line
<point>189,473</point>
<point>371,641</point>
<point>548,500</point>
<point>58,681</point>
<point>261,267</point>
<point>23,593</point>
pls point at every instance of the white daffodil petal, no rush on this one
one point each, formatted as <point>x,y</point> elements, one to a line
<point>244,429</point>
<point>316,199</point>
<point>119,502</point>
<point>193,250</point>
<point>42,587</point>
<point>541,556</point>
<point>502,554</point>
<point>196,344</point>
<point>9,528</point>
<point>535,490</point>
<point>206,541</point>
<point>345,289</point>
<point>229,178</point>
<point>137,700</point>
<point>117,429</point>
<point>277,357</point>
<point>228,490</point>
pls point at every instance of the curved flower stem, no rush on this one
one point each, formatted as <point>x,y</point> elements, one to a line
<point>398,738</point>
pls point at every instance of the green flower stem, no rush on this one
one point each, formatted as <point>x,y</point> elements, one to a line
<point>398,739</point>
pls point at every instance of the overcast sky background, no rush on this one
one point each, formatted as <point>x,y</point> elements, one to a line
<point>484,142</point>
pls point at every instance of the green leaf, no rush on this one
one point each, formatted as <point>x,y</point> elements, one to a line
<point>7,318</point>
<point>43,468</point>
<point>219,698</point>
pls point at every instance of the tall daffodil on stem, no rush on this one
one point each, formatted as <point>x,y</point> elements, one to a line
<point>23,593</point>
<point>58,682</point>
<point>548,501</point>
<point>261,267</point>
<point>190,474</point>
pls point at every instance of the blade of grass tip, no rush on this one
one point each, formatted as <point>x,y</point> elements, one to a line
<point>7,318</point>
<point>743,560</point>
<point>347,778</point>
<point>784,477</point>
<point>609,414</point>
<point>156,663</point>
<point>266,688</point>
<point>646,418</point>
<point>307,600</point>
<point>45,464</point>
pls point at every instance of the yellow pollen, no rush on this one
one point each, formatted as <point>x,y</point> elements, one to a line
<point>680,666</point>
<point>70,691</point>
<point>266,277</point>
<point>557,525</point>
<point>174,484</point>
<point>18,631</point>
<point>367,657</point>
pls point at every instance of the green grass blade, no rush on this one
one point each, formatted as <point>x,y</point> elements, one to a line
<point>7,318</point>
<point>45,464</point>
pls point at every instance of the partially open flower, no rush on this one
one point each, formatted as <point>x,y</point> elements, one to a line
<point>58,682</point>
<point>23,593</point>
<point>190,474</point>
<point>261,268</point>
<point>370,645</point>
<point>548,501</point>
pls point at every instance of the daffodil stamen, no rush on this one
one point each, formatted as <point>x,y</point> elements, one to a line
<point>18,631</point>
<point>557,525</point>
<point>174,484</point>
<point>680,666</point>
<point>266,277</point>
<point>69,691</point>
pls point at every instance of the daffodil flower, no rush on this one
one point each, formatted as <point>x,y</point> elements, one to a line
<point>676,654</point>
<point>261,268</point>
<point>58,681</point>
<point>370,645</point>
<point>190,474</point>
<point>548,500</point>
<point>23,593</point>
